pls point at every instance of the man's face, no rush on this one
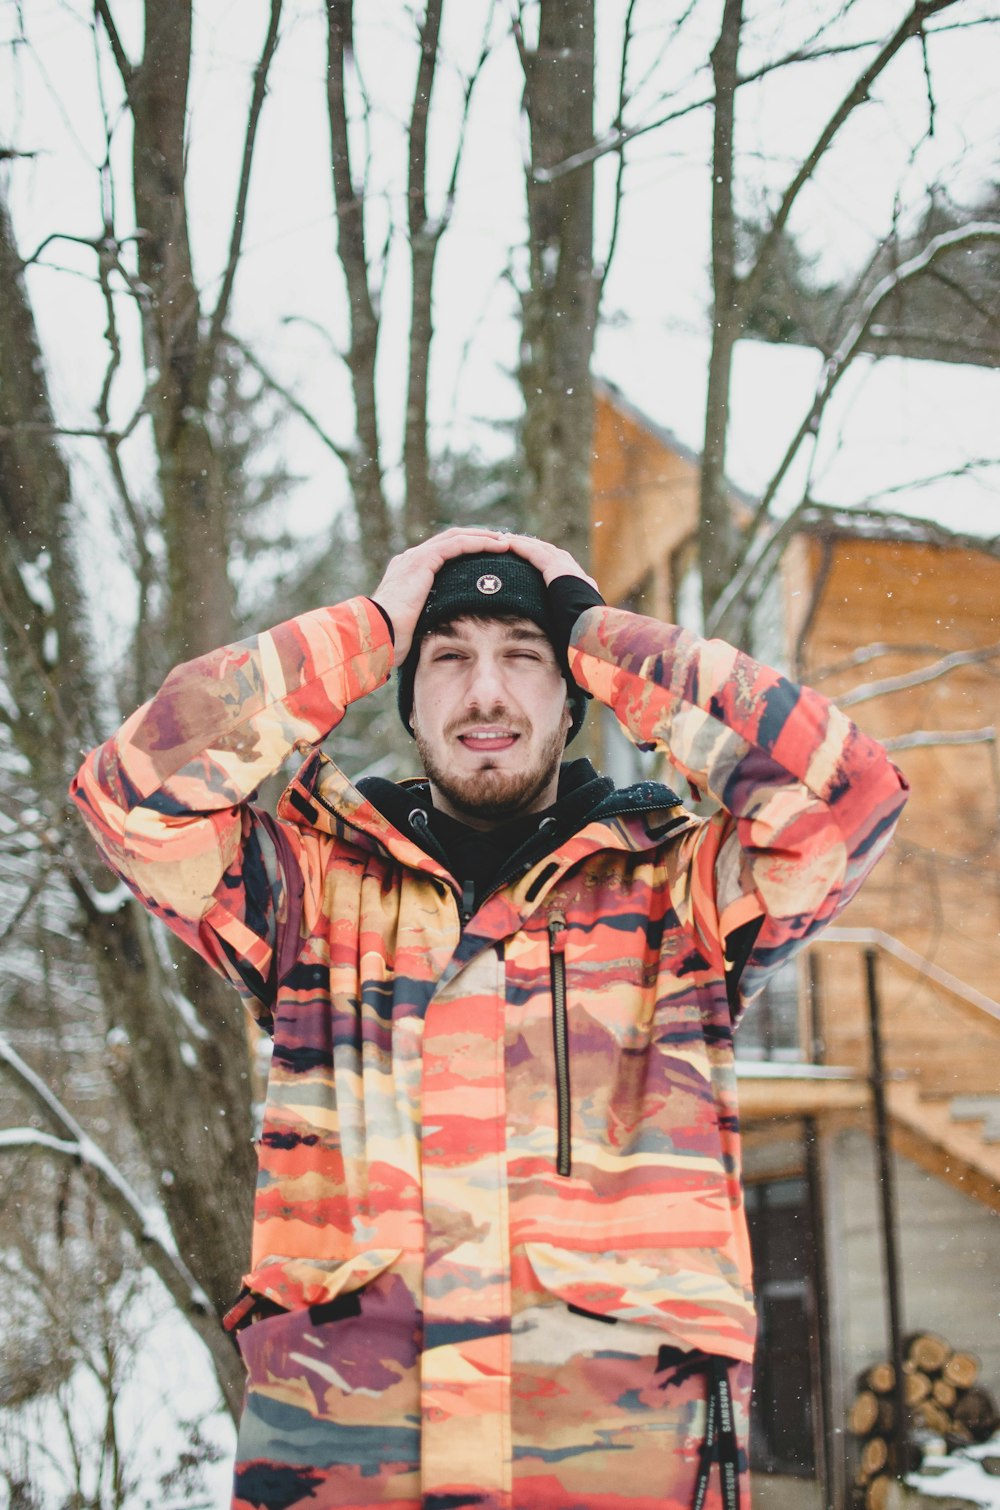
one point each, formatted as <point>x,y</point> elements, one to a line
<point>490,717</point>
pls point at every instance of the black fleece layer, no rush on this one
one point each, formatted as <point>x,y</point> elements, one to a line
<point>482,860</point>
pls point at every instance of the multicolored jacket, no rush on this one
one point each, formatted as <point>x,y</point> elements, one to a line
<point>488,1142</point>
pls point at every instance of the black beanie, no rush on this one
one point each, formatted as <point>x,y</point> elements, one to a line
<point>487,586</point>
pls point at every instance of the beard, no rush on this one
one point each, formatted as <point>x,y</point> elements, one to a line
<point>492,793</point>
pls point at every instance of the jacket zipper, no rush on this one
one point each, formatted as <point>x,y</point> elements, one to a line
<point>560,1040</point>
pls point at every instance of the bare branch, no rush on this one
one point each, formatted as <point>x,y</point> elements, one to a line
<point>965,469</point>
<point>817,588</point>
<point>87,241</point>
<point>320,329</point>
<point>858,94</point>
<point>614,140</point>
<point>39,427</point>
<point>959,289</point>
<point>718,543</point>
<point>34,891</point>
<point>922,739</point>
<point>919,677</point>
<point>670,39</point>
<point>14,1138</point>
<point>125,68</point>
<point>517,31</point>
<point>342,453</point>
<point>619,122</point>
<point>928,83</point>
<point>868,653</point>
<point>424,235</point>
<point>236,238</point>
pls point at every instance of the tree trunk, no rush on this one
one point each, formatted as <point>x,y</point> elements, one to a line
<point>424,237</point>
<point>365,459</point>
<point>45,648</point>
<point>199,600</point>
<point>558,307</point>
<point>183,1073</point>
<point>718,541</point>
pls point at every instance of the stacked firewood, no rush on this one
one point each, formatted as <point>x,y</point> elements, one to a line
<point>945,1408</point>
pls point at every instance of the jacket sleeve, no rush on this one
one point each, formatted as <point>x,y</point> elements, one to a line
<point>168,798</point>
<point>807,802</point>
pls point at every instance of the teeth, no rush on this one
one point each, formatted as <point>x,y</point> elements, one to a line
<point>486,738</point>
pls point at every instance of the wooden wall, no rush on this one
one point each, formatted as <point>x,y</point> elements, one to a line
<point>644,509</point>
<point>938,889</point>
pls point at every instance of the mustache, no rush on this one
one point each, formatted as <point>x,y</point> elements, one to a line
<point>464,725</point>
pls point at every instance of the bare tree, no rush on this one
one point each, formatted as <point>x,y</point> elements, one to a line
<point>558,302</point>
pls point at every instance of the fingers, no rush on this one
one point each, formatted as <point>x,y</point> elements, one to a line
<point>409,576</point>
<point>551,560</point>
<point>464,541</point>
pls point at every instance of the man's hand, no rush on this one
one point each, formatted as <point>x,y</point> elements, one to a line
<point>550,560</point>
<point>409,576</point>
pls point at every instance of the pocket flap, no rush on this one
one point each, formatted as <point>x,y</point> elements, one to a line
<point>686,1293</point>
<point>295,1283</point>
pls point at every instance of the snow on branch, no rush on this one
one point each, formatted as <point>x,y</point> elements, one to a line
<point>115,1189</point>
<point>917,678</point>
<point>70,1142</point>
<point>923,738</point>
<point>31,1137</point>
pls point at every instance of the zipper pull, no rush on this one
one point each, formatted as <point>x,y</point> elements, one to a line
<point>557,932</point>
<point>468,901</point>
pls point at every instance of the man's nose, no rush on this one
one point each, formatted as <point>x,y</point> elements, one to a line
<point>485,685</point>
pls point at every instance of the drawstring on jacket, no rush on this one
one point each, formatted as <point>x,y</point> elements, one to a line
<point>720,1443</point>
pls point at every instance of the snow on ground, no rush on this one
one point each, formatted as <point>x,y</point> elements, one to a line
<point>964,1475</point>
<point>167,1393</point>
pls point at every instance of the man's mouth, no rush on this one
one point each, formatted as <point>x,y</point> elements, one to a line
<point>486,741</point>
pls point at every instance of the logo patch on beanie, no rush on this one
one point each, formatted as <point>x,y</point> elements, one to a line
<point>488,583</point>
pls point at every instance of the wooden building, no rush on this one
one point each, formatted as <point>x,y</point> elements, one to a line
<point>901,626</point>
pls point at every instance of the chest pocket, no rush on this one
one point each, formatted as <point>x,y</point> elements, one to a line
<point>608,1084</point>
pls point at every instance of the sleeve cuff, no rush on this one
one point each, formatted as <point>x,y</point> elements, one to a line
<point>388,621</point>
<point>568,598</point>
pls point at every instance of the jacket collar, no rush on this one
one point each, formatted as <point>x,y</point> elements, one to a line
<point>633,818</point>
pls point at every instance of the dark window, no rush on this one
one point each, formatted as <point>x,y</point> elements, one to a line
<point>770,1028</point>
<point>784,1414</point>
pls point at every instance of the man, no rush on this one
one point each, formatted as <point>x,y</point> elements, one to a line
<point>500,1258</point>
